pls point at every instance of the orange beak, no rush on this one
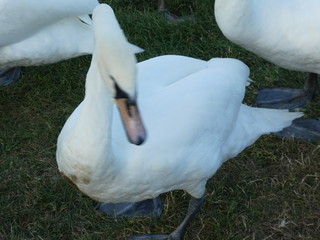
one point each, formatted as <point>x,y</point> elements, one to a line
<point>131,120</point>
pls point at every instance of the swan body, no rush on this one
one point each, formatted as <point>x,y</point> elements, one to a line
<point>219,127</point>
<point>284,32</point>
<point>36,33</point>
<point>191,110</point>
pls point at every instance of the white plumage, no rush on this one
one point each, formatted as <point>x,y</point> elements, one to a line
<point>41,32</point>
<point>195,121</point>
<point>284,32</point>
<point>191,110</point>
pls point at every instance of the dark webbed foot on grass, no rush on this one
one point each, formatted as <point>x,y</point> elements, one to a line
<point>174,18</point>
<point>282,98</point>
<point>286,98</point>
<point>169,16</point>
<point>178,234</point>
<point>146,208</point>
<point>149,237</point>
<point>306,129</point>
<point>9,75</point>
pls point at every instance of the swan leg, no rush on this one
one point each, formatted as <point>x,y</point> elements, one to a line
<point>178,234</point>
<point>169,16</point>
<point>146,208</point>
<point>9,75</point>
<point>287,98</point>
<point>306,129</point>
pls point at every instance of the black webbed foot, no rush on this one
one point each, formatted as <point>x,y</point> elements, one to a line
<point>146,208</point>
<point>9,75</point>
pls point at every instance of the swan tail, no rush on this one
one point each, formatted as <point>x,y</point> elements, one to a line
<point>268,120</point>
<point>252,123</point>
<point>136,49</point>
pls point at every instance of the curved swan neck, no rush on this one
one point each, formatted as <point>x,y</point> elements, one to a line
<point>95,86</point>
<point>95,116</point>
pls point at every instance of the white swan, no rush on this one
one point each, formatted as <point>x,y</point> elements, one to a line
<point>41,32</point>
<point>192,112</point>
<point>284,32</point>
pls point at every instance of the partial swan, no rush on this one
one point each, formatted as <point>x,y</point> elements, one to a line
<point>286,33</point>
<point>41,32</point>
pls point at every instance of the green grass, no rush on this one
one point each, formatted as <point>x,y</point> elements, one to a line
<point>270,191</point>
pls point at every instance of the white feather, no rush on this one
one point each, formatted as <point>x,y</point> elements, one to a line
<point>37,32</point>
<point>284,32</point>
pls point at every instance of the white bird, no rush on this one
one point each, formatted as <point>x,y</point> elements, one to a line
<point>192,112</point>
<point>40,32</point>
<point>286,33</point>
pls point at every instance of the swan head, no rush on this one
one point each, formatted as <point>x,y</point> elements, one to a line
<point>116,63</point>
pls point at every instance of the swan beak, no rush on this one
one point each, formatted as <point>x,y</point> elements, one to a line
<point>131,120</point>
